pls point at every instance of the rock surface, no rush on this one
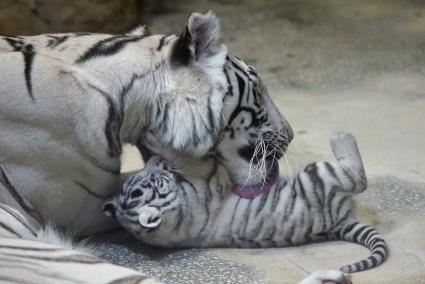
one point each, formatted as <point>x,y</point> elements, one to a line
<point>27,17</point>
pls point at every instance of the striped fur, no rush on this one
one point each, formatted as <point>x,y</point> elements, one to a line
<point>68,103</point>
<point>163,207</point>
<point>203,212</point>
<point>25,261</point>
<point>30,253</point>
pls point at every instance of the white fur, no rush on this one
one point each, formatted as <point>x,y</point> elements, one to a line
<point>58,138</point>
<point>51,235</point>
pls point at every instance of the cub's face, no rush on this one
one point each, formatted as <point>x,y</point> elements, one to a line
<point>257,134</point>
<point>145,197</point>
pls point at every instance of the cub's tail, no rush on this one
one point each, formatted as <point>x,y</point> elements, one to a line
<point>369,237</point>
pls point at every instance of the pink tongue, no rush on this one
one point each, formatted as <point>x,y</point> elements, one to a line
<point>250,192</point>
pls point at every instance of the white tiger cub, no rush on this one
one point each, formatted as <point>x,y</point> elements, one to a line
<point>69,101</point>
<point>164,207</point>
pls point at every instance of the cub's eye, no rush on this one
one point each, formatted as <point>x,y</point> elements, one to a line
<point>136,193</point>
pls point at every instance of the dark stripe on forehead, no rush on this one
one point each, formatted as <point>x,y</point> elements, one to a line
<point>237,110</point>
<point>229,91</point>
<point>241,86</point>
<point>240,69</point>
<point>252,72</point>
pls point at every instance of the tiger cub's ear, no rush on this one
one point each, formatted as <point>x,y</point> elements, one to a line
<point>199,41</point>
<point>109,209</point>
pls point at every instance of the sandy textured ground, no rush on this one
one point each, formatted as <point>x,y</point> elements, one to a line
<point>357,65</point>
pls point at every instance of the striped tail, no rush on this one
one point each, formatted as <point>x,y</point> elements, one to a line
<point>369,237</point>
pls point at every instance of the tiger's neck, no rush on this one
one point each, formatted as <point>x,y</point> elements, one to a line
<point>131,87</point>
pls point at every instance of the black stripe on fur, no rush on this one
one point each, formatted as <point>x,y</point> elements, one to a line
<point>107,47</point>
<point>28,54</point>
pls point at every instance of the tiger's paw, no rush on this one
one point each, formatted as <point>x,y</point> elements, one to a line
<point>328,277</point>
<point>343,141</point>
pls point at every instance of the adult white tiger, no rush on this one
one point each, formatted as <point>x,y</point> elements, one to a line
<point>67,104</point>
<point>64,114</point>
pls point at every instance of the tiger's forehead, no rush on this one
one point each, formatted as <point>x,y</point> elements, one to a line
<point>238,65</point>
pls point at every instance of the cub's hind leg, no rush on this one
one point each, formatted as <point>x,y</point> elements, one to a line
<point>349,173</point>
<point>327,186</point>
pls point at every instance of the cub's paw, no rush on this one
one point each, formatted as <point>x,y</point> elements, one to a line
<point>341,138</point>
<point>344,146</point>
<point>327,277</point>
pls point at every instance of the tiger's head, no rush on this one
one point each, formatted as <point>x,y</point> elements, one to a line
<point>250,132</point>
<point>256,134</point>
<point>145,197</point>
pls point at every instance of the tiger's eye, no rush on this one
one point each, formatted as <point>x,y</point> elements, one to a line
<point>136,193</point>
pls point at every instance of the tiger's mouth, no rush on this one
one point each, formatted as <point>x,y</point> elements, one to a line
<point>252,191</point>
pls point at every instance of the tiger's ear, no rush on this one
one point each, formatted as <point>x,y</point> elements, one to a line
<point>109,209</point>
<point>199,40</point>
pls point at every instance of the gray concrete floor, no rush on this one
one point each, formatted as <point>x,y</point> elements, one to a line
<point>356,65</point>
